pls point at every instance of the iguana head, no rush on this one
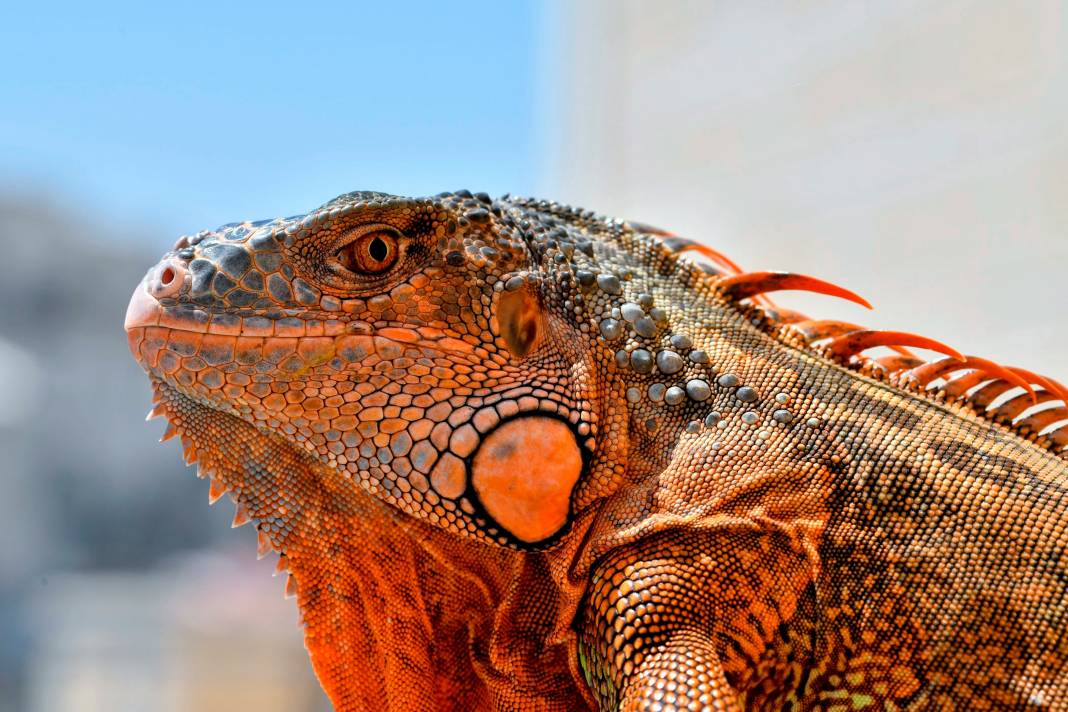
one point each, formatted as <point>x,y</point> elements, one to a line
<point>435,351</point>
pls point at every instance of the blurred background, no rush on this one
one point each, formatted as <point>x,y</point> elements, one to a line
<point>914,152</point>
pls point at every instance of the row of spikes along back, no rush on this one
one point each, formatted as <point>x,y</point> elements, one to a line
<point>1031,405</point>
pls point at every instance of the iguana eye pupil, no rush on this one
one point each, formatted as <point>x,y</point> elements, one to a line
<point>378,250</point>
<point>369,254</point>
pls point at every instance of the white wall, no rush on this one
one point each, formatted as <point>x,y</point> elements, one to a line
<point>916,152</point>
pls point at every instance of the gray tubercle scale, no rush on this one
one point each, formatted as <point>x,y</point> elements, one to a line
<point>631,312</point>
<point>645,327</point>
<point>669,362</point>
<point>674,395</point>
<point>746,394</point>
<point>682,342</point>
<point>698,389</point>
<point>641,361</point>
<point>610,329</point>
<point>783,416</point>
<point>609,284</point>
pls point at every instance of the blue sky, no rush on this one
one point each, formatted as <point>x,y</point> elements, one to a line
<point>178,116</point>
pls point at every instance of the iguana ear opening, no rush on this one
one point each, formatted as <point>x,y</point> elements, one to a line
<point>519,318</point>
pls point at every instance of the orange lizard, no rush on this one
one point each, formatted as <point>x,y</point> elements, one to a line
<point>515,455</point>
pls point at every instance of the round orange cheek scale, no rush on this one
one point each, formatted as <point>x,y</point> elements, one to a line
<point>524,473</point>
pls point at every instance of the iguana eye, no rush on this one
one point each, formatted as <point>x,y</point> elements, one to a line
<point>371,253</point>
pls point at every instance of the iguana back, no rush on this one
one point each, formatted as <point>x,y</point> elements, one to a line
<point>517,455</point>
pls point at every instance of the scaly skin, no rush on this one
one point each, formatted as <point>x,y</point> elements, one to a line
<point>538,461</point>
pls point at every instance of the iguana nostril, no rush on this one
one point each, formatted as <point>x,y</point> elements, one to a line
<point>167,279</point>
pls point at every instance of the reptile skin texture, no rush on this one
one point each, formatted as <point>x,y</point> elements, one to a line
<point>518,456</point>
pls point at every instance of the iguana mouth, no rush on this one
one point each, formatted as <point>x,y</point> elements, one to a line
<point>156,322</point>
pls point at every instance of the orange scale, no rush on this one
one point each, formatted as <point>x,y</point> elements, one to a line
<point>248,349</point>
<point>212,378</point>
<point>168,362</point>
<point>292,364</point>
<point>238,393</point>
<point>275,402</point>
<point>392,425</point>
<point>316,349</point>
<point>449,476</point>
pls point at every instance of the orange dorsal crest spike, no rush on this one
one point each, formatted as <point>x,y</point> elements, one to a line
<point>1013,407</point>
<point>819,329</point>
<point>715,255</point>
<point>651,230</point>
<point>851,344</point>
<point>899,362</point>
<point>786,316</point>
<point>936,369</point>
<point>959,386</point>
<point>984,396</point>
<point>721,262</point>
<point>1048,383</point>
<point>751,284</point>
<point>1044,419</point>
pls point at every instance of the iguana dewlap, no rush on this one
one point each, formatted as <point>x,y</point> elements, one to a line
<point>518,456</point>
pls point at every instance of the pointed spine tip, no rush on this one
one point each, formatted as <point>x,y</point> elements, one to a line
<point>216,490</point>
<point>241,517</point>
<point>263,544</point>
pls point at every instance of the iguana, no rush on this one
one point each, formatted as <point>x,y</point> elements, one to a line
<point>515,455</point>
